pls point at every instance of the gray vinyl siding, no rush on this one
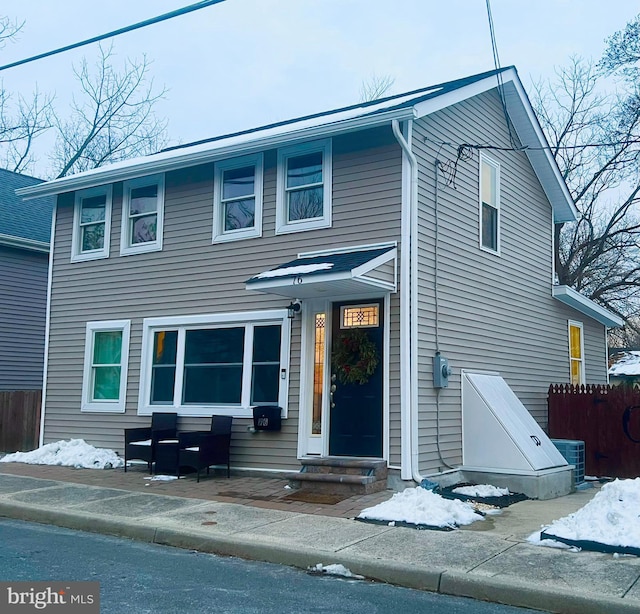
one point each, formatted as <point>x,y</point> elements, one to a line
<point>190,276</point>
<point>495,312</point>
<point>23,301</point>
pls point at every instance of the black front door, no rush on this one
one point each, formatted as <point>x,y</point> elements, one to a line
<point>355,423</point>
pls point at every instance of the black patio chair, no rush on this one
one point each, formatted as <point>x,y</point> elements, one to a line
<point>202,449</point>
<point>141,443</point>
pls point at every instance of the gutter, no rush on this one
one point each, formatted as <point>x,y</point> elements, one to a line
<point>23,243</point>
<point>168,161</point>
<point>408,315</point>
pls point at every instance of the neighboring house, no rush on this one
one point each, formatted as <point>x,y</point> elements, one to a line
<point>174,277</point>
<point>24,261</point>
<point>624,368</point>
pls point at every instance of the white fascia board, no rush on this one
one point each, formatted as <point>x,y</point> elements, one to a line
<point>208,152</point>
<point>22,243</point>
<point>584,305</point>
<point>462,93</point>
<point>525,120</point>
<point>279,282</point>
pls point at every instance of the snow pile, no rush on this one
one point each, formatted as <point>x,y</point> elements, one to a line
<point>481,490</point>
<point>422,507</point>
<point>334,570</point>
<point>162,478</point>
<point>612,517</point>
<point>300,269</point>
<point>74,453</point>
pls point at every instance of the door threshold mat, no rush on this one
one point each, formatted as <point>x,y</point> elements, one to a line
<point>408,525</point>
<point>501,501</point>
<point>315,497</point>
<point>587,544</point>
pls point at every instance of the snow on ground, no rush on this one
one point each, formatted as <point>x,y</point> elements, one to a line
<point>74,453</point>
<point>612,517</point>
<point>481,490</point>
<point>423,507</point>
<point>334,570</point>
<point>162,478</point>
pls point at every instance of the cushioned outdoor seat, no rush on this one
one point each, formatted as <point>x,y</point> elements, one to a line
<point>202,449</point>
<point>141,443</point>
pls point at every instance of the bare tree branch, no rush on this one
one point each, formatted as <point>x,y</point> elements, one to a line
<point>112,119</point>
<point>375,87</point>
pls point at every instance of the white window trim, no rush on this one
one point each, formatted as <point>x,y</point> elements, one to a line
<point>496,165</point>
<point>219,233</point>
<point>89,404</point>
<point>181,323</point>
<point>579,325</point>
<point>77,255</point>
<point>282,226</point>
<point>150,246</point>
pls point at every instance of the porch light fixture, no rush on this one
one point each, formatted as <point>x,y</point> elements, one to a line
<point>293,308</point>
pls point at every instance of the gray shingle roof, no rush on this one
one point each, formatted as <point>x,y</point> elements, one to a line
<point>25,220</point>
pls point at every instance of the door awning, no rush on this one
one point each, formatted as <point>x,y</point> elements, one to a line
<point>357,272</point>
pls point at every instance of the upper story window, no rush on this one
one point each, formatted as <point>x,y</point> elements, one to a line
<point>105,366</point>
<point>576,352</point>
<point>304,187</point>
<point>489,204</point>
<point>142,215</point>
<point>238,199</point>
<point>91,224</point>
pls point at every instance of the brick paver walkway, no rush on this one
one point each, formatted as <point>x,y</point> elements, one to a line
<point>267,493</point>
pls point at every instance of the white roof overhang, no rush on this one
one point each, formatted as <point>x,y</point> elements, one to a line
<point>240,144</point>
<point>584,305</point>
<point>358,281</point>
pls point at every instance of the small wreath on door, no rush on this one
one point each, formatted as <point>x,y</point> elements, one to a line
<point>355,357</point>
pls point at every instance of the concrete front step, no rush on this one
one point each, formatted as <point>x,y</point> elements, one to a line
<point>341,475</point>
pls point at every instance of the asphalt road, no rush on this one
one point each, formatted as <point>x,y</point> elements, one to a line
<point>140,578</point>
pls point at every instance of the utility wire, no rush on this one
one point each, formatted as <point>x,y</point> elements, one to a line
<point>141,24</point>
<point>496,63</point>
<point>529,148</point>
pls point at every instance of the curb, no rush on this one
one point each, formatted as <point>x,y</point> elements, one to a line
<point>454,583</point>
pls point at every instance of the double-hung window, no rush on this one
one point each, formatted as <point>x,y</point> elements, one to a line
<point>304,187</point>
<point>576,352</point>
<point>223,363</point>
<point>489,204</point>
<point>142,215</point>
<point>91,224</point>
<point>238,198</point>
<point>105,366</point>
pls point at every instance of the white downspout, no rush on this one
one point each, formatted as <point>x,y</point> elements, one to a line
<point>47,323</point>
<point>408,314</point>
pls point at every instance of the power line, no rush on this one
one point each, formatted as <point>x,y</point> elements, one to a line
<point>529,148</point>
<point>141,24</point>
<point>496,63</point>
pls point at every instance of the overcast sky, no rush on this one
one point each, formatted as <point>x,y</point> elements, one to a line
<point>244,63</point>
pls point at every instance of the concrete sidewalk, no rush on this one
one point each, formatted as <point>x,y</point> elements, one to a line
<point>489,560</point>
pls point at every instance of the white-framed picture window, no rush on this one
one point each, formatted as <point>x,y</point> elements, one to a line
<point>106,359</point>
<point>215,364</point>
<point>142,215</point>
<point>303,199</point>
<point>489,204</point>
<point>576,353</point>
<point>91,224</point>
<point>237,203</point>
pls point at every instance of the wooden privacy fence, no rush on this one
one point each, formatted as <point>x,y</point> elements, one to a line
<point>19,420</point>
<point>606,418</point>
